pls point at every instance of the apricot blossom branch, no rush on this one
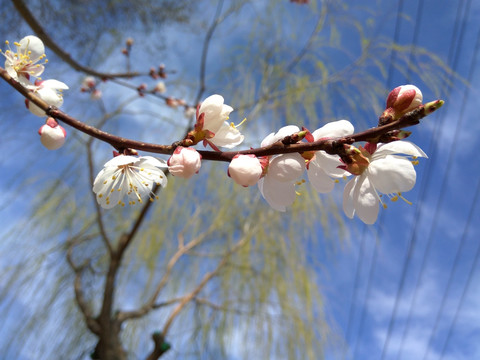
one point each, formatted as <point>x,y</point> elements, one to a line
<point>285,146</point>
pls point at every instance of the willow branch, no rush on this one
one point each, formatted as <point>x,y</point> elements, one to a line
<point>207,277</point>
<point>92,324</point>
<point>48,41</point>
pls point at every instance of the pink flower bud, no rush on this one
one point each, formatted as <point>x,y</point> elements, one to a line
<point>245,170</point>
<point>404,98</point>
<point>96,94</point>
<point>160,87</point>
<point>52,135</point>
<point>184,162</point>
<point>89,82</point>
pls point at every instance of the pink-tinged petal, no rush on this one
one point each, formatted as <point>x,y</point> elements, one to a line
<point>278,195</point>
<point>286,167</point>
<point>392,174</point>
<point>398,147</point>
<point>365,200</point>
<point>319,179</point>
<point>338,128</point>
<point>348,203</point>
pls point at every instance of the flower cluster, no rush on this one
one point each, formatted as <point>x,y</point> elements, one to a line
<point>377,168</point>
<point>26,61</point>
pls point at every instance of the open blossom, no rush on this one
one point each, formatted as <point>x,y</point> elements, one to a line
<point>245,170</point>
<point>212,124</point>
<point>384,171</point>
<point>282,174</point>
<point>184,162</point>
<point>323,168</point>
<point>49,91</point>
<point>27,60</point>
<point>52,135</point>
<point>128,175</point>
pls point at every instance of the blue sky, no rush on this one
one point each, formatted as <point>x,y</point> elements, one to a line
<point>361,302</point>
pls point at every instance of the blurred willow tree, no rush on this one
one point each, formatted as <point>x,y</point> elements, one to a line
<point>208,269</point>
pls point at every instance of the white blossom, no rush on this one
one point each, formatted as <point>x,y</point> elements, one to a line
<point>27,60</point>
<point>282,174</point>
<point>323,168</point>
<point>216,112</point>
<point>128,175</point>
<point>387,173</point>
<point>49,91</point>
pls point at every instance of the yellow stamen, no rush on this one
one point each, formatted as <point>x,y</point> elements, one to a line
<point>236,126</point>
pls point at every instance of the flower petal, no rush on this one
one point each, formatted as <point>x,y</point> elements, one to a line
<point>392,174</point>
<point>398,147</point>
<point>280,134</point>
<point>319,179</point>
<point>34,45</point>
<point>365,200</point>
<point>286,167</point>
<point>348,205</point>
<point>227,136</point>
<point>278,195</point>
<point>329,164</point>
<point>334,129</point>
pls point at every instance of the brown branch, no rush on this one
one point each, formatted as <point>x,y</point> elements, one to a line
<point>207,277</point>
<point>331,146</point>
<point>92,324</point>
<point>48,41</point>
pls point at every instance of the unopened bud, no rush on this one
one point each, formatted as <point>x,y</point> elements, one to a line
<point>129,41</point>
<point>184,162</point>
<point>52,135</point>
<point>404,98</point>
<point>160,87</point>
<point>245,170</point>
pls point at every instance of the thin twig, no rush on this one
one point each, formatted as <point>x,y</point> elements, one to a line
<point>48,41</point>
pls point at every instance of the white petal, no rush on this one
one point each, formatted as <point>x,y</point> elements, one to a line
<point>392,174</point>
<point>286,167</point>
<point>215,112</point>
<point>348,206</point>
<point>54,84</point>
<point>278,195</point>
<point>334,129</point>
<point>121,160</point>
<point>319,179</point>
<point>329,164</point>
<point>280,134</point>
<point>227,136</point>
<point>398,147</point>
<point>365,200</point>
<point>150,160</point>
<point>33,44</point>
